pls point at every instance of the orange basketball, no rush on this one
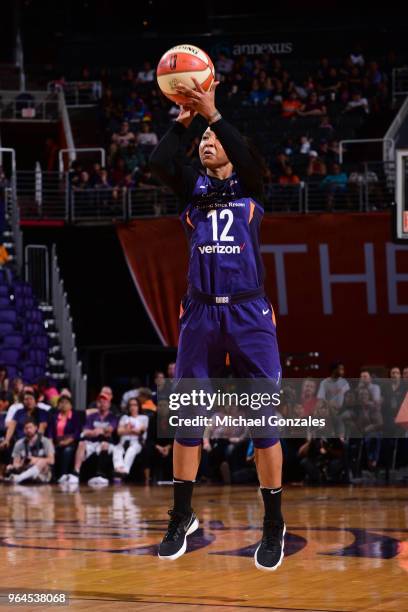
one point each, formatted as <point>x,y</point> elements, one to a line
<point>181,64</point>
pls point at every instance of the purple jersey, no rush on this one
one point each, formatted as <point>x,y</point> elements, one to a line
<point>223,227</point>
<point>96,421</point>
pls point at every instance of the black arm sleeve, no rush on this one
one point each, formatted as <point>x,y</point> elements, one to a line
<point>246,165</point>
<point>169,164</point>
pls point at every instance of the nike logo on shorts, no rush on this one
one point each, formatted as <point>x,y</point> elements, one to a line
<point>265,312</point>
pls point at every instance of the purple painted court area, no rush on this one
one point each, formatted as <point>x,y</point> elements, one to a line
<point>368,543</point>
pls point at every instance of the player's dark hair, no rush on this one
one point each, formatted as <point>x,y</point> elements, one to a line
<point>257,155</point>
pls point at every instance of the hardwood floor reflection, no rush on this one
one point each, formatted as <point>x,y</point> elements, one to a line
<point>346,549</point>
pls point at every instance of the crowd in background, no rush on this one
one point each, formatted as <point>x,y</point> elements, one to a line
<point>45,438</point>
<point>301,113</point>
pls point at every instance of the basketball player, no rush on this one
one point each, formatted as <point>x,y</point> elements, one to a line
<point>221,205</point>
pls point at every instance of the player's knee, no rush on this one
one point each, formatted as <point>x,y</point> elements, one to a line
<point>189,441</point>
<point>265,442</point>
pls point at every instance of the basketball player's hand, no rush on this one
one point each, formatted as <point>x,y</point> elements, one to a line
<point>186,115</point>
<point>203,102</point>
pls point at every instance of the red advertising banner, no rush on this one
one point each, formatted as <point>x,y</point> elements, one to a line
<point>338,284</point>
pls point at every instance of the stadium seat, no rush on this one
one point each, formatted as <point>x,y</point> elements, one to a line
<point>15,340</point>
<point>8,315</point>
<point>6,328</point>
<point>4,301</point>
<point>10,356</point>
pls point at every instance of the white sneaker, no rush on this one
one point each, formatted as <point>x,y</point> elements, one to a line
<point>73,479</point>
<point>63,478</point>
<point>103,481</point>
<point>93,481</point>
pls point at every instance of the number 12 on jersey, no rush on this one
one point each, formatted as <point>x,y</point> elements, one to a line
<point>228,214</point>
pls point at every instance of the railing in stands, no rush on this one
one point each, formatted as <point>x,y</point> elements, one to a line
<point>387,142</point>
<point>78,94</point>
<point>29,106</point>
<point>36,270</point>
<point>55,196</point>
<point>78,380</point>
<point>73,153</point>
<point>399,84</point>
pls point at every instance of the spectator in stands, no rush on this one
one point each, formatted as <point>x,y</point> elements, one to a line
<point>327,152</point>
<point>306,88</point>
<point>5,400</point>
<point>370,423</point>
<point>136,109</point>
<point>102,181</point>
<point>133,157</point>
<point>333,427</point>
<point>335,183</point>
<point>119,171</point>
<point>132,432</point>
<point>159,444</point>
<point>291,105</point>
<point>330,84</point>
<point>46,391</point>
<point>308,398</point>
<point>289,178</point>
<point>146,402</point>
<point>366,382</point>
<point>16,388</point>
<point>357,104</point>
<point>258,95</point>
<point>278,166</point>
<point>333,388</point>
<point>146,75</point>
<point>96,443</point>
<point>323,460</point>
<point>312,107</point>
<point>305,145</point>
<point>354,79</point>
<point>316,169</point>
<point>33,456</point>
<point>226,448</point>
<point>277,95</point>
<point>65,428</point>
<point>84,182</point>
<point>146,136</point>
<point>4,256</point>
<point>18,404</point>
<point>133,392</point>
<point>224,65</point>
<point>356,56</point>
<point>105,395</point>
<point>405,373</point>
<point>325,128</point>
<point>394,393</point>
<point>121,139</point>
<point>348,413</point>
<point>4,380</point>
<point>362,175</point>
<point>15,427</point>
<point>159,385</point>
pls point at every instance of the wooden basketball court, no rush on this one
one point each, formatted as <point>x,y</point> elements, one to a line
<point>346,549</point>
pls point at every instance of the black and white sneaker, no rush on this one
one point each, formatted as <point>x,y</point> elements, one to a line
<point>174,543</point>
<point>269,554</point>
